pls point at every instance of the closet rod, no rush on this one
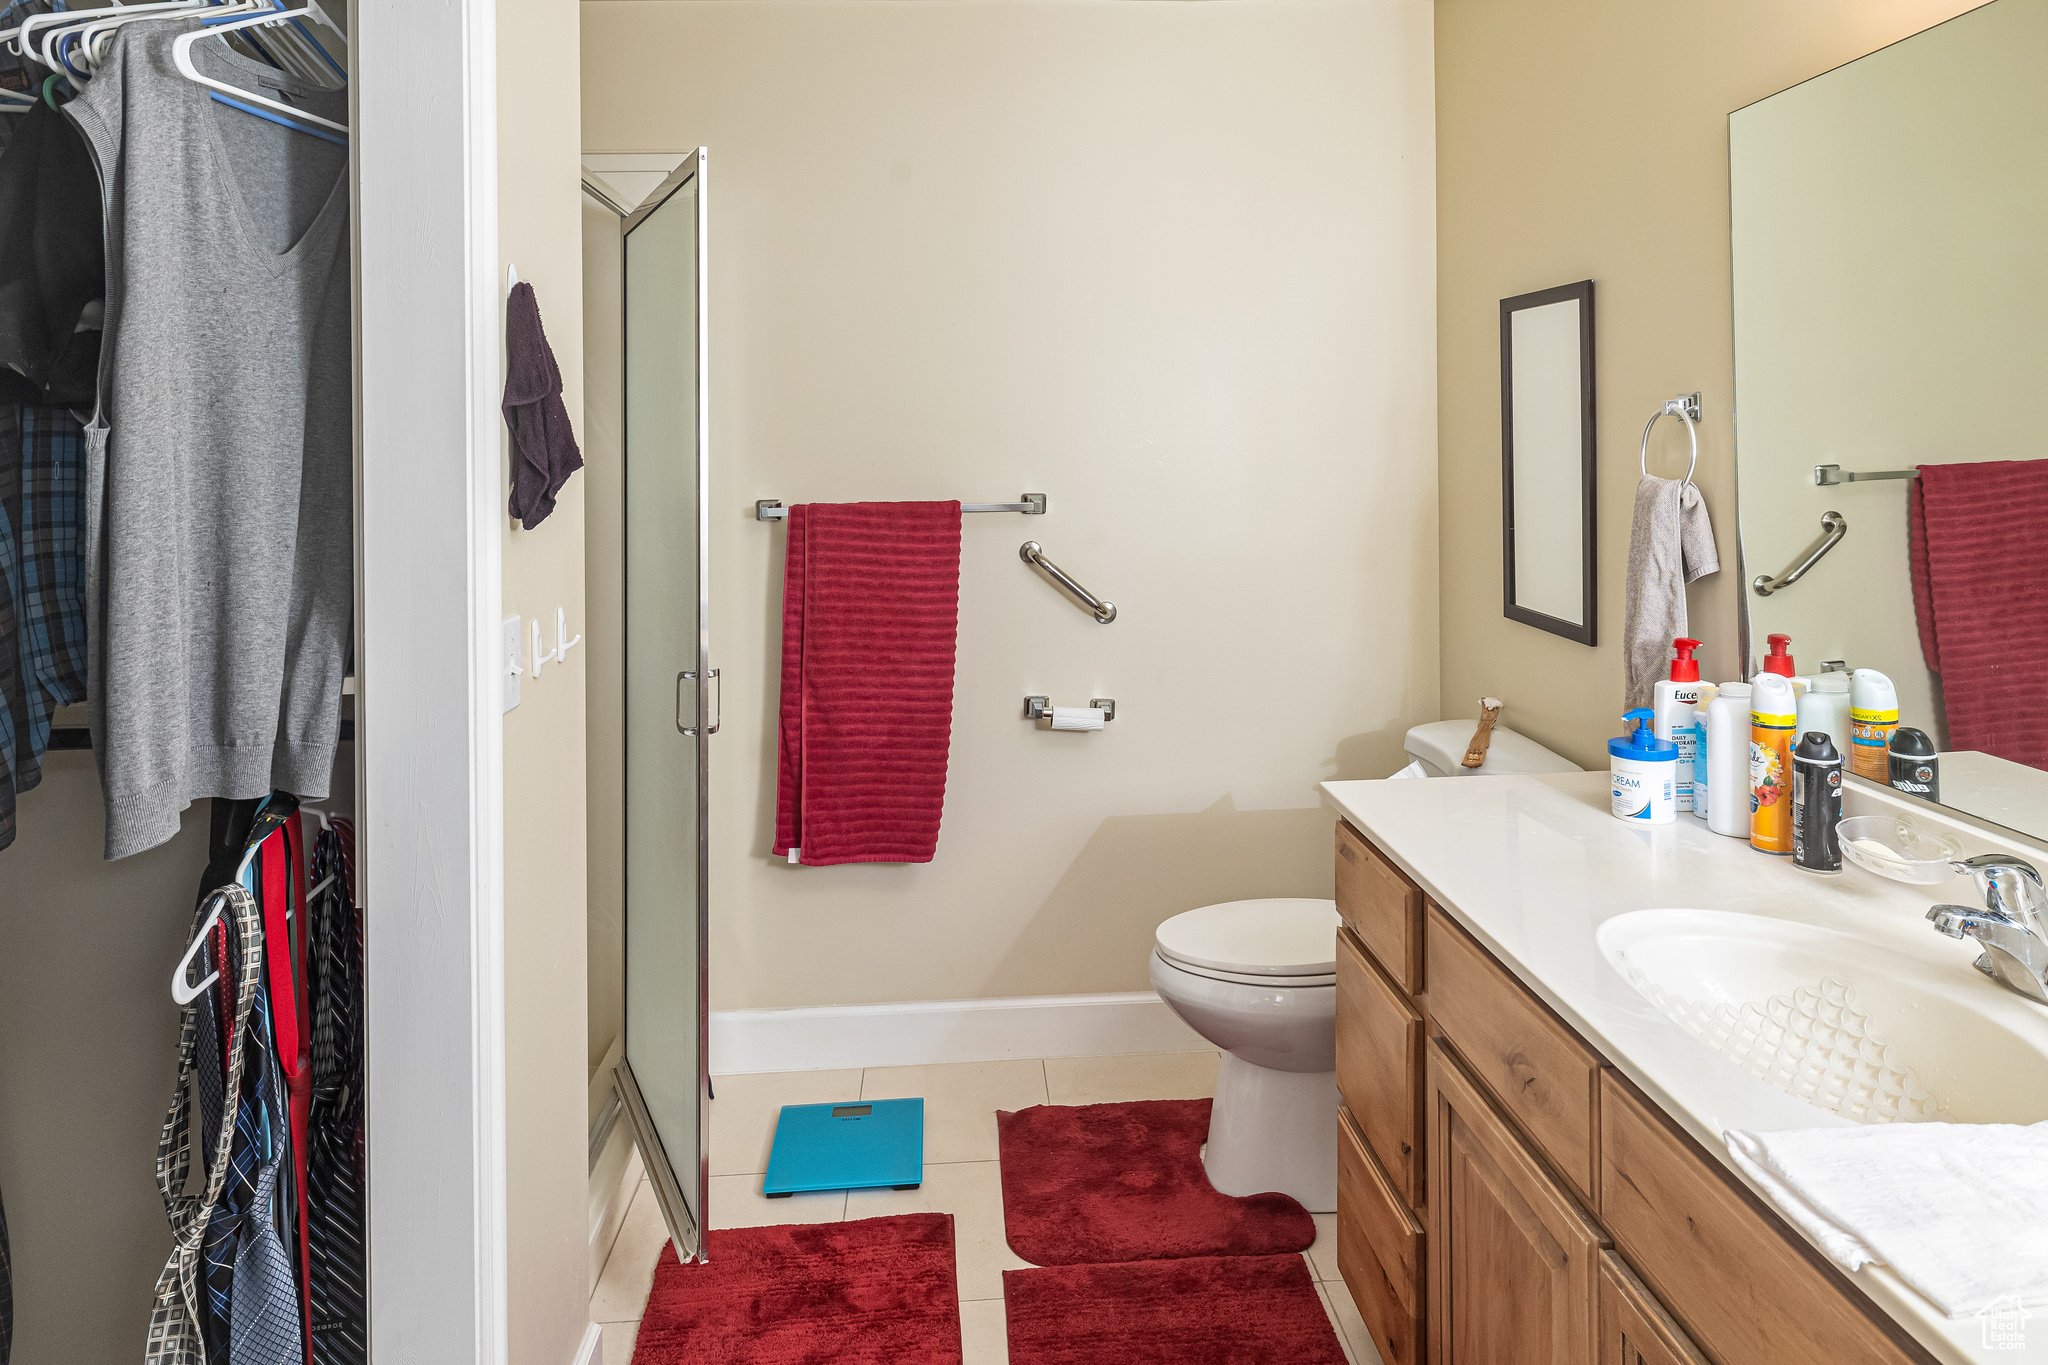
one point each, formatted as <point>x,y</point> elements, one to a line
<point>79,737</point>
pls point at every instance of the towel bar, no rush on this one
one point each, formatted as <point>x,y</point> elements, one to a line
<point>1033,505</point>
<point>1828,475</point>
<point>1836,526</point>
<point>1686,408</point>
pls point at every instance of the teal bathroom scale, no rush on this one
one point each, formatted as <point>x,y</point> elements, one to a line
<point>869,1145</point>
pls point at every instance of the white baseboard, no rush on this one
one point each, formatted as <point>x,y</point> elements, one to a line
<point>591,1352</point>
<point>919,1032</point>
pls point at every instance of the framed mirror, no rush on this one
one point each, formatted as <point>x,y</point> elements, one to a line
<point>1547,459</point>
<point>1888,224</point>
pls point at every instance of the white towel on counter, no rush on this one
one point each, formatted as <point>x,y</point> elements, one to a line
<point>1959,1211</point>
<point>1670,543</point>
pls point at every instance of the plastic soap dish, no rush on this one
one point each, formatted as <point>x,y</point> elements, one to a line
<point>1893,848</point>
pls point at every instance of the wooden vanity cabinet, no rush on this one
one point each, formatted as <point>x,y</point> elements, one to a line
<point>1504,1197</point>
<point>1546,1079</point>
<point>1379,1066</point>
<point>1378,903</point>
<point>1748,1291</point>
<point>1634,1328</point>
<point>1379,1249</point>
<point>1513,1259</point>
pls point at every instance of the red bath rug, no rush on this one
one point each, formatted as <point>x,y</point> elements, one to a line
<point>877,1291</point>
<point>1201,1310</point>
<point>1085,1184</point>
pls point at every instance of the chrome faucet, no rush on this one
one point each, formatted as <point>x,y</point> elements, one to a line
<point>2012,926</point>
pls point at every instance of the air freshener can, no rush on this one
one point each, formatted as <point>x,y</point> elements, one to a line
<point>1773,718</point>
<point>1816,803</point>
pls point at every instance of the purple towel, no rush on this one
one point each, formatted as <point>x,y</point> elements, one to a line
<point>544,452</point>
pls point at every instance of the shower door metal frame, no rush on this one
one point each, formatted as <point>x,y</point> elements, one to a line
<point>686,1221</point>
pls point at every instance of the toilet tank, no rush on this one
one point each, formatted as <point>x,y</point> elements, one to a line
<point>1440,748</point>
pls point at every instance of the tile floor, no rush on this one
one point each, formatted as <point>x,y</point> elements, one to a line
<point>960,1178</point>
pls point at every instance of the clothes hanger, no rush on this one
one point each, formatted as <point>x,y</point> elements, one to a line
<point>298,120</point>
<point>59,25</point>
<point>181,992</point>
<point>96,35</point>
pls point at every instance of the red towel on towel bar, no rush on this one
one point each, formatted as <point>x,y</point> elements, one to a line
<point>870,612</point>
<point>1979,548</point>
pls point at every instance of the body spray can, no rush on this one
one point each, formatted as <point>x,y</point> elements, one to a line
<point>1816,803</point>
<point>1915,766</point>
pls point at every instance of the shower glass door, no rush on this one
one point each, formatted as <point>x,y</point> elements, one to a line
<point>671,698</point>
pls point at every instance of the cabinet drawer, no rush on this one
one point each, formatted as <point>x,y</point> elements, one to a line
<point>1382,907</point>
<point>1513,1259</point>
<point>1379,1066</point>
<point>1718,1258</point>
<point>1545,1078</point>
<point>1379,1250</point>
<point>1634,1328</point>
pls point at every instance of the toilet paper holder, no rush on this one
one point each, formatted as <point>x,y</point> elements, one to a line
<point>1040,708</point>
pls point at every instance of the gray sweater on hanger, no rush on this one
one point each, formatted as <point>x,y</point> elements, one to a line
<point>219,484</point>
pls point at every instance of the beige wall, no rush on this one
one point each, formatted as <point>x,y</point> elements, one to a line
<point>1589,138</point>
<point>88,1056</point>
<point>1171,265</point>
<point>546,1070</point>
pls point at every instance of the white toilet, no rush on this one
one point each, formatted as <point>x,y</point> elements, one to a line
<point>1439,747</point>
<point>1259,980</point>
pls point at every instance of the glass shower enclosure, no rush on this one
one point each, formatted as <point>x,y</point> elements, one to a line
<point>671,698</point>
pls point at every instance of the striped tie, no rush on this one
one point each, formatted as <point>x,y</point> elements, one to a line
<point>334,1216</point>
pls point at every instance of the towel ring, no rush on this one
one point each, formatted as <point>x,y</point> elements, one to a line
<point>1686,408</point>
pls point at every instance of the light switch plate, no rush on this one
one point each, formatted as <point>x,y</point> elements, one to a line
<point>513,667</point>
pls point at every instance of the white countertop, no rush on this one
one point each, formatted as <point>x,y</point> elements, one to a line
<point>1532,866</point>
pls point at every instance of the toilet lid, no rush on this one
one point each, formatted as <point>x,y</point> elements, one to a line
<point>1282,937</point>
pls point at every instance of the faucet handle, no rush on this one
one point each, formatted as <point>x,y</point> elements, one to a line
<point>2010,886</point>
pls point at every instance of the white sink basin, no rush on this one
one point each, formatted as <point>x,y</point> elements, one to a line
<point>1847,1026</point>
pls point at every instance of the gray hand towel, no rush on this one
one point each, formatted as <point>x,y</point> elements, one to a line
<point>1670,543</point>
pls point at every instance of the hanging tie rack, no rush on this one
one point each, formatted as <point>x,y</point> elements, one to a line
<point>1033,505</point>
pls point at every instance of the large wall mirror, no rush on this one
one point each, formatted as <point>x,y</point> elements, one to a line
<point>1546,459</point>
<point>1890,240</point>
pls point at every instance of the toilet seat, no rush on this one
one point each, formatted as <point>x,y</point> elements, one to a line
<point>1285,941</point>
<point>1247,979</point>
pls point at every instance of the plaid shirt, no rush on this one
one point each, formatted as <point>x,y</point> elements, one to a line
<point>42,560</point>
<point>50,540</point>
<point>12,699</point>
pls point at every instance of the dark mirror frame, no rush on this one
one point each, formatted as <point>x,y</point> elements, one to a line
<point>1583,292</point>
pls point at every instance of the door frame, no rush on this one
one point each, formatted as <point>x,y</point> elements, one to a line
<point>430,677</point>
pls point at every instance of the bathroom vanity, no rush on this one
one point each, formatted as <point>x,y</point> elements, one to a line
<point>1540,1043</point>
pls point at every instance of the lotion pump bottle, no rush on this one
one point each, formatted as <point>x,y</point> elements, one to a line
<point>1725,755</point>
<point>1644,770</point>
<point>1676,701</point>
<point>1779,660</point>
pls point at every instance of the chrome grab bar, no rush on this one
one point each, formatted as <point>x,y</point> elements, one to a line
<point>1836,526</point>
<point>1031,554</point>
